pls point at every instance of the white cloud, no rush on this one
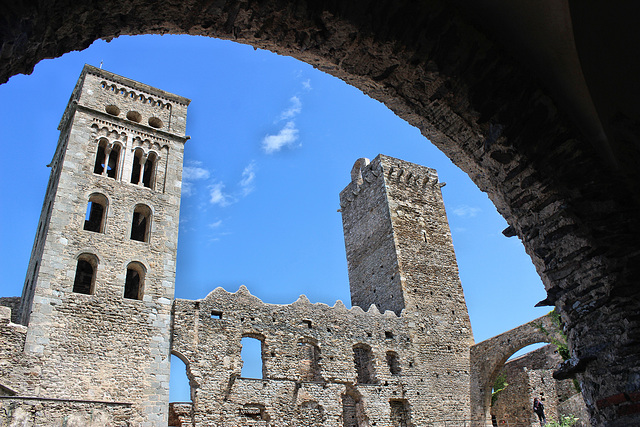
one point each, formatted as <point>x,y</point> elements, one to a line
<point>306,85</point>
<point>218,196</point>
<point>187,188</point>
<point>194,173</point>
<point>216,224</point>
<point>293,110</point>
<point>466,211</point>
<point>287,137</point>
<point>248,176</point>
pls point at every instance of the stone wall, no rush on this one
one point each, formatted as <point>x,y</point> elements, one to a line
<point>34,412</point>
<point>207,334</point>
<point>489,356</point>
<point>99,342</point>
<point>531,376</point>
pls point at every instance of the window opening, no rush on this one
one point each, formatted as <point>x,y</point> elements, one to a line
<point>134,282</point>
<point>149,169</point>
<point>400,413</point>
<point>137,163</point>
<point>252,360</point>
<point>364,364</point>
<point>309,355</point>
<point>101,156</point>
<point>393,363</point>
<point>352,411</point>
<point>85,275</point>
<point>140,224</point>
<point>112,165</point>
<point>215,314</point>
<point>95,216</point>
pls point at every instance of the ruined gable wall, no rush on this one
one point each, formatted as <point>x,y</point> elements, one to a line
<point>212,348</point>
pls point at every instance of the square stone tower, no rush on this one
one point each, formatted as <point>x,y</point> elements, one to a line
<point>399,249</point>
<point>100,283</point>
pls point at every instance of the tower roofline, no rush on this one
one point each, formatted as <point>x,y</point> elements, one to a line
<point>134,84</point>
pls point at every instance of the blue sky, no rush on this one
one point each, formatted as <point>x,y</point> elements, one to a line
<point>272,144</point>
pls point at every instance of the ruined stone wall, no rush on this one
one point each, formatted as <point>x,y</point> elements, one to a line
<point>99,345</point>
<point>531,376</point>
<point>34,412</point>
<point>489,356</point>
<point>207,334</point>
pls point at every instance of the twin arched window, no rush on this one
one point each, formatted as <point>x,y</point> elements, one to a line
<point>144,167</point>
<point>96,214</point>
<point>85,278</point>
<point>107,159</point>
<point>107,163</point>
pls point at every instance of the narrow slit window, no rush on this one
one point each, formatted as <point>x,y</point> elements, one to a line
<point>141,223</point>
<point>134,282</point>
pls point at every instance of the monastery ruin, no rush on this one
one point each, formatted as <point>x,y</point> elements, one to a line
<point>89,342</point>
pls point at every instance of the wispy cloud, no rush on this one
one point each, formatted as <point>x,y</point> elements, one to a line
<point>215,224</point>
<point>190,173</point>
<point>306,85</point>
<point>287,137</point>
<point>218,195</point>
<point>466,211</point>
<point>293,110</point>
<point>248,178</point>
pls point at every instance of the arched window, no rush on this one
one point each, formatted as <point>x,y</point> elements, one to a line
<point>134,282</point>
<point>84,282</point>
<point>114,161</point>
<point>364,364</point>
<point>149,170</point>
<point>137,163</point>
<point>101,156</point>
<point>94,219</point>
<point>141,224</point>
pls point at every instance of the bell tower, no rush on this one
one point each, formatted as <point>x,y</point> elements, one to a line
<point>100,283</point>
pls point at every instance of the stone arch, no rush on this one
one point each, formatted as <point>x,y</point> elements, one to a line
<point>489,356</point>
<point>193,383</point>
<point>550,166</point>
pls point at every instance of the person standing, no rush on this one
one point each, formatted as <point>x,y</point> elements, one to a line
<point>538,408</point>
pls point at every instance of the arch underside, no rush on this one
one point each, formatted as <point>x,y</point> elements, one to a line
<point>575,210</point>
